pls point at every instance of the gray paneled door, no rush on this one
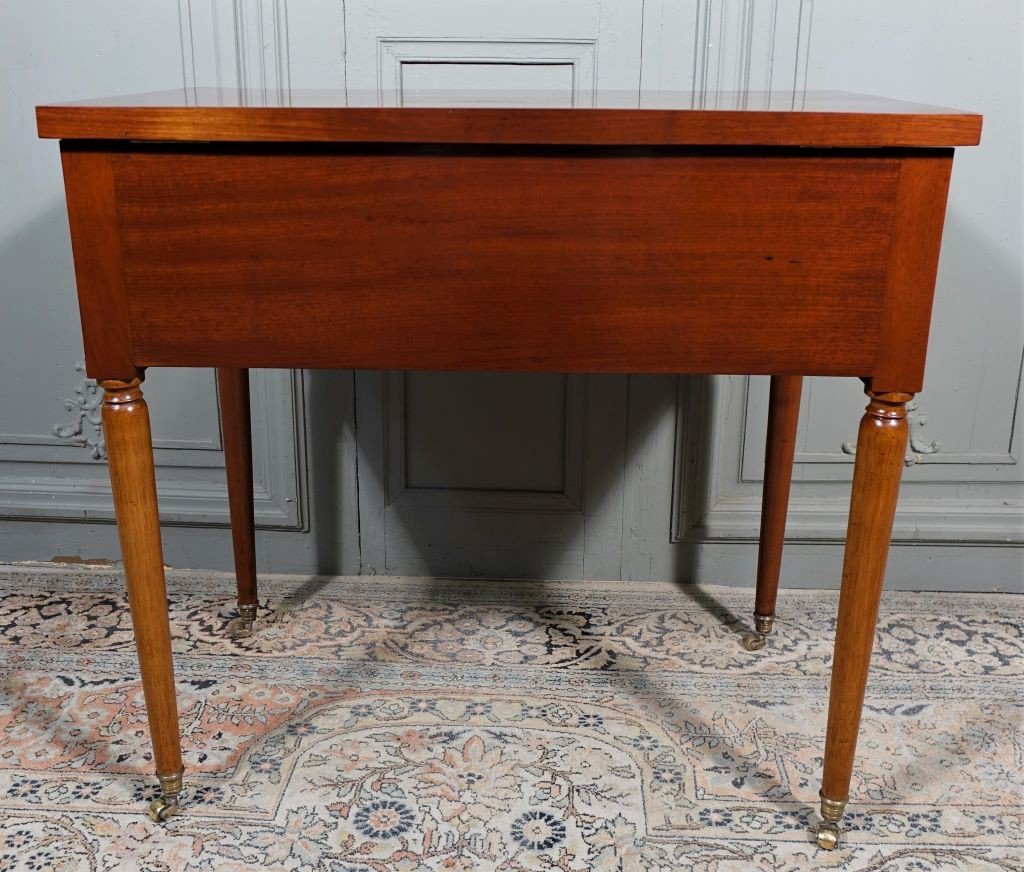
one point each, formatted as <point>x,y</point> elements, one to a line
<point>467,473</point>
<point>515,474</point>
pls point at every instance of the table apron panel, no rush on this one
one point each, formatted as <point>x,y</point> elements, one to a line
<point>594,262</point>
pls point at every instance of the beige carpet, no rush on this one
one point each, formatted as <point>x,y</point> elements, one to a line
<point>379,724</point>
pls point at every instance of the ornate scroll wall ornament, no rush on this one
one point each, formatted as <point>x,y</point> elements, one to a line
<point>85,427</point>
<point>916,446</point>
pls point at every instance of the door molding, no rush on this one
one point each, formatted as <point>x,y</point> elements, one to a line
<point>38,481</point>
<point>716,502</point>
<point>394,53</point>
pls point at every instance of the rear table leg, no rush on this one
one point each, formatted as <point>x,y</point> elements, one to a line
<point>233,388</point>
<point>783,416</point>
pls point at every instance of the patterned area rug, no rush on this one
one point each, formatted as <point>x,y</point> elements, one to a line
<point>399,724</point>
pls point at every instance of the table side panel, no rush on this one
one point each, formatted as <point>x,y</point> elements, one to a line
<point>914,260</point>
<point>571,262</point>
<point>96,245</point>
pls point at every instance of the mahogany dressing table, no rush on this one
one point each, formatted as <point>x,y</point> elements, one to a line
<point>789,242</point>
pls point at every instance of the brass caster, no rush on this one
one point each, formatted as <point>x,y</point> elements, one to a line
<point>753,641</point>
<point>166,804</point>
<point>162,808</point>
<point>756,640</point>
<point>828,830</point>
<point>241,627</point>
<point>828,836</point>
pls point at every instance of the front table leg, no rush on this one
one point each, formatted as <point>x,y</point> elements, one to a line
<point>881,446</point>
<point>130,450</point>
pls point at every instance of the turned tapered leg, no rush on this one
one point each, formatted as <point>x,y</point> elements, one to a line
<point>881,446</point>
<point>233,387</point>
<point>783,416</point>
<point>130,451</point>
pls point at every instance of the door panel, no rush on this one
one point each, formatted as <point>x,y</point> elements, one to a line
<point>469,474</point>
<point>545,76</point>
<point>512,475</point>
<point>490,432</point>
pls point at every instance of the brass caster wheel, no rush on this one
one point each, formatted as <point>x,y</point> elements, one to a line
<point>241,627</point>
<point>828,830</point>
<point>166,804</point>
<point>828,836</point>
<point>162,808</point>
<point>754,641</point>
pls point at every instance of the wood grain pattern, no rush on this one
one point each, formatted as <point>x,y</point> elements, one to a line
<point>914,262</point>
<point>96,244</point>
<point>236,424</point>
<point>566,262</point>
<point>783,417</point>
<point>881,443</point>
<point>130,449</point>
<point>829,119</point>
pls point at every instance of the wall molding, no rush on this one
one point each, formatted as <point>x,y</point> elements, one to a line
<point>923,451</point>
<point>393,53</point>
<point>749,54</point>
<point>75,490</point>
<point>262,53</point>
<point>758,52</point>
<point>82,428</point>
<point>240,46</point>
<point>710,505</point>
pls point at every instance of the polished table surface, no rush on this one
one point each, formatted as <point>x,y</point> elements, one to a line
<point>818,118</point>
<point>753,233</point>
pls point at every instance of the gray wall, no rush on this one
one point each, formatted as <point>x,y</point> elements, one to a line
<point>521,475</point>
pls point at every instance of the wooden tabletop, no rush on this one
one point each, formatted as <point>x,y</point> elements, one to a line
<point>819,119</point>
